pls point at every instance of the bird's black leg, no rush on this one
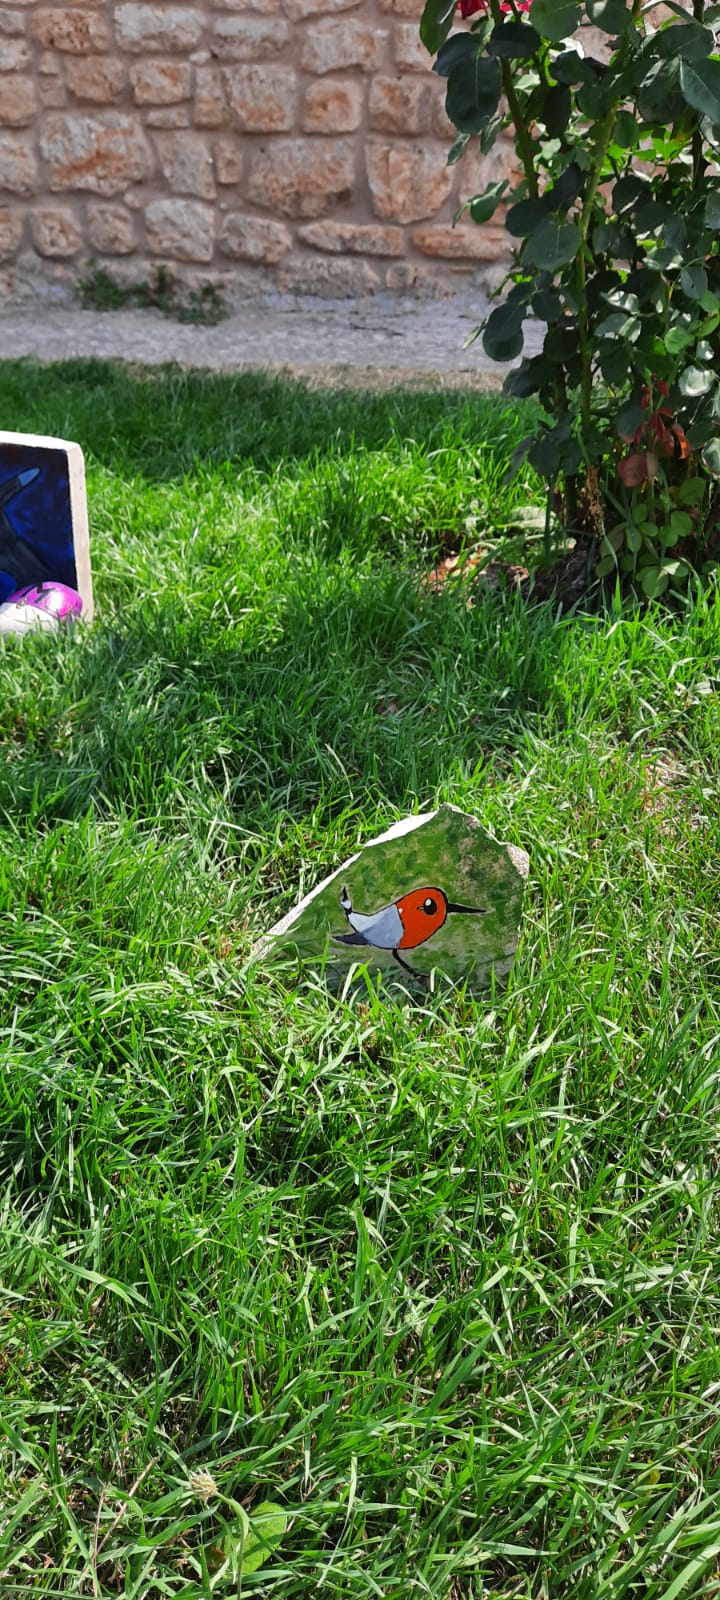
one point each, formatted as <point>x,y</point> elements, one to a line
<point>406,968</point>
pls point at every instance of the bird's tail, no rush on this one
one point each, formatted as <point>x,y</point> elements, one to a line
<point>345,901</point>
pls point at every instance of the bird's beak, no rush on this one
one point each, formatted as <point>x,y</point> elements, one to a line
<point>468,911</point>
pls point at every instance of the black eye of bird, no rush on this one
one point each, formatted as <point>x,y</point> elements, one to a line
<point>430,906</point>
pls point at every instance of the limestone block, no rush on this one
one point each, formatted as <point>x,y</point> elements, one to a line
<point>403,8</point>
<point>400,105</point>
<point>410,52</point>
<point>254,238</point>
<point>186,163</point>
<point>77,29</point>
<point>52,93</point>
<point>262,99</point>
<point>97,78</point>
<point>322,275</point>
<point>11,231</point>
<point>18,163</point>
<point>302,177</point>
<point>332,46</point>
<point>476,170</point>
<point>248,38</point>
<point>266,8</point>
<point>101,153</point>
<point>228,160</point>
<point>211,108</point>
<point>433,892</point>
<point>486,243</point>
<point>12,23</point>
<point>55,231</point>
<point>440,121</point>
<point>140,27</point>
<point>14,54</point>
<point>332,106</point>
<point>111,229</point>
<point>367,239</point>
<point>180,229</point>
<point>417,277</point>
<point>298,10</point>
<point>18,102</point>
<point>168,117</point>
<point>407,182</point>
<point>161,83</point>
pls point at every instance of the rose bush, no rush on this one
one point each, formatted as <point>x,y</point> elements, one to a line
<point>615,222</point>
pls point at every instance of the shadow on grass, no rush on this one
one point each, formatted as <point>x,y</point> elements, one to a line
<point>164,422</point>
<point>371,689</point>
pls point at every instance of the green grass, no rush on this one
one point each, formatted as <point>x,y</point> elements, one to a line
<point>441,1278</point>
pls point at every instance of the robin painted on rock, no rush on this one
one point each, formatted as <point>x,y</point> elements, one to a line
<point>403,925</point>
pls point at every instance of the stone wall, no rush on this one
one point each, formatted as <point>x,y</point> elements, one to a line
<point>298,145</point>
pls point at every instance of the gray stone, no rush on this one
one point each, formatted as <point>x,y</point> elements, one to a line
<point>435,891</point>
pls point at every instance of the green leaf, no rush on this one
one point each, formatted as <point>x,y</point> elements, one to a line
<point>483,206</point>
<point>613,16</point>
<point>677,339</point>
<point>565,189</point>
<point>473,93</point>
<point>693,381</point>
<point>694,281</point>
<point>692,492</point>
<point>503,335</point>
<point>689,41</point>
<point>658,99</point>
<point>524,216</point>
<point>629,192</point>
<point>458,148</point>
<point>436,22</point>
<point>531,375</point>
<point>629,418</point>
<point>653,581</point>
<point>594,100</point>
<point>547,305</point>
<point>513,40</point>
<point>562,342</point>
<point>553,244</point>
<point>462,47</point>
<point>681,524</point>
<point>250,1540</point>
<point>700,86</point>
<point>556,109</point>
<point>619,326</point>
<point>626,130</point>
<point>711,456</point>
<point>570,67</point>
<point>555,19</point>
<point>712,211</point>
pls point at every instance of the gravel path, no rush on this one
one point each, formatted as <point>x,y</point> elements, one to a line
<point>380,340</point>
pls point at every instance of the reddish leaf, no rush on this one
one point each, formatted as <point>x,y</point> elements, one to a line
<point>633,470</point>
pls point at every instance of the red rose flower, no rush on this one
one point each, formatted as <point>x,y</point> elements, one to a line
<point>469,8</point>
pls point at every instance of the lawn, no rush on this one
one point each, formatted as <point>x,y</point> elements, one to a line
<point>440,1277</point>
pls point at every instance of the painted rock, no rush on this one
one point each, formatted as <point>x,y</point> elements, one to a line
<point>434,891</point>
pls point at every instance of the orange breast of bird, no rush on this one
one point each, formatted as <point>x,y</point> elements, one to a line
<point>422,913</point>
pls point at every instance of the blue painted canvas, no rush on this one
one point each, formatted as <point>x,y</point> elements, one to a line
<point>43,515</point>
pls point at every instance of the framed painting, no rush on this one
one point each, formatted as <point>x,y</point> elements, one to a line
<point>43,516</point>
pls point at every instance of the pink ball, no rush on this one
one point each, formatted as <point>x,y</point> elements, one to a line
<point>39,605</point>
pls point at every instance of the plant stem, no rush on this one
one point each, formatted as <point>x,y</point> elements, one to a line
<point>601,150</point>
<point>524,142</point>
